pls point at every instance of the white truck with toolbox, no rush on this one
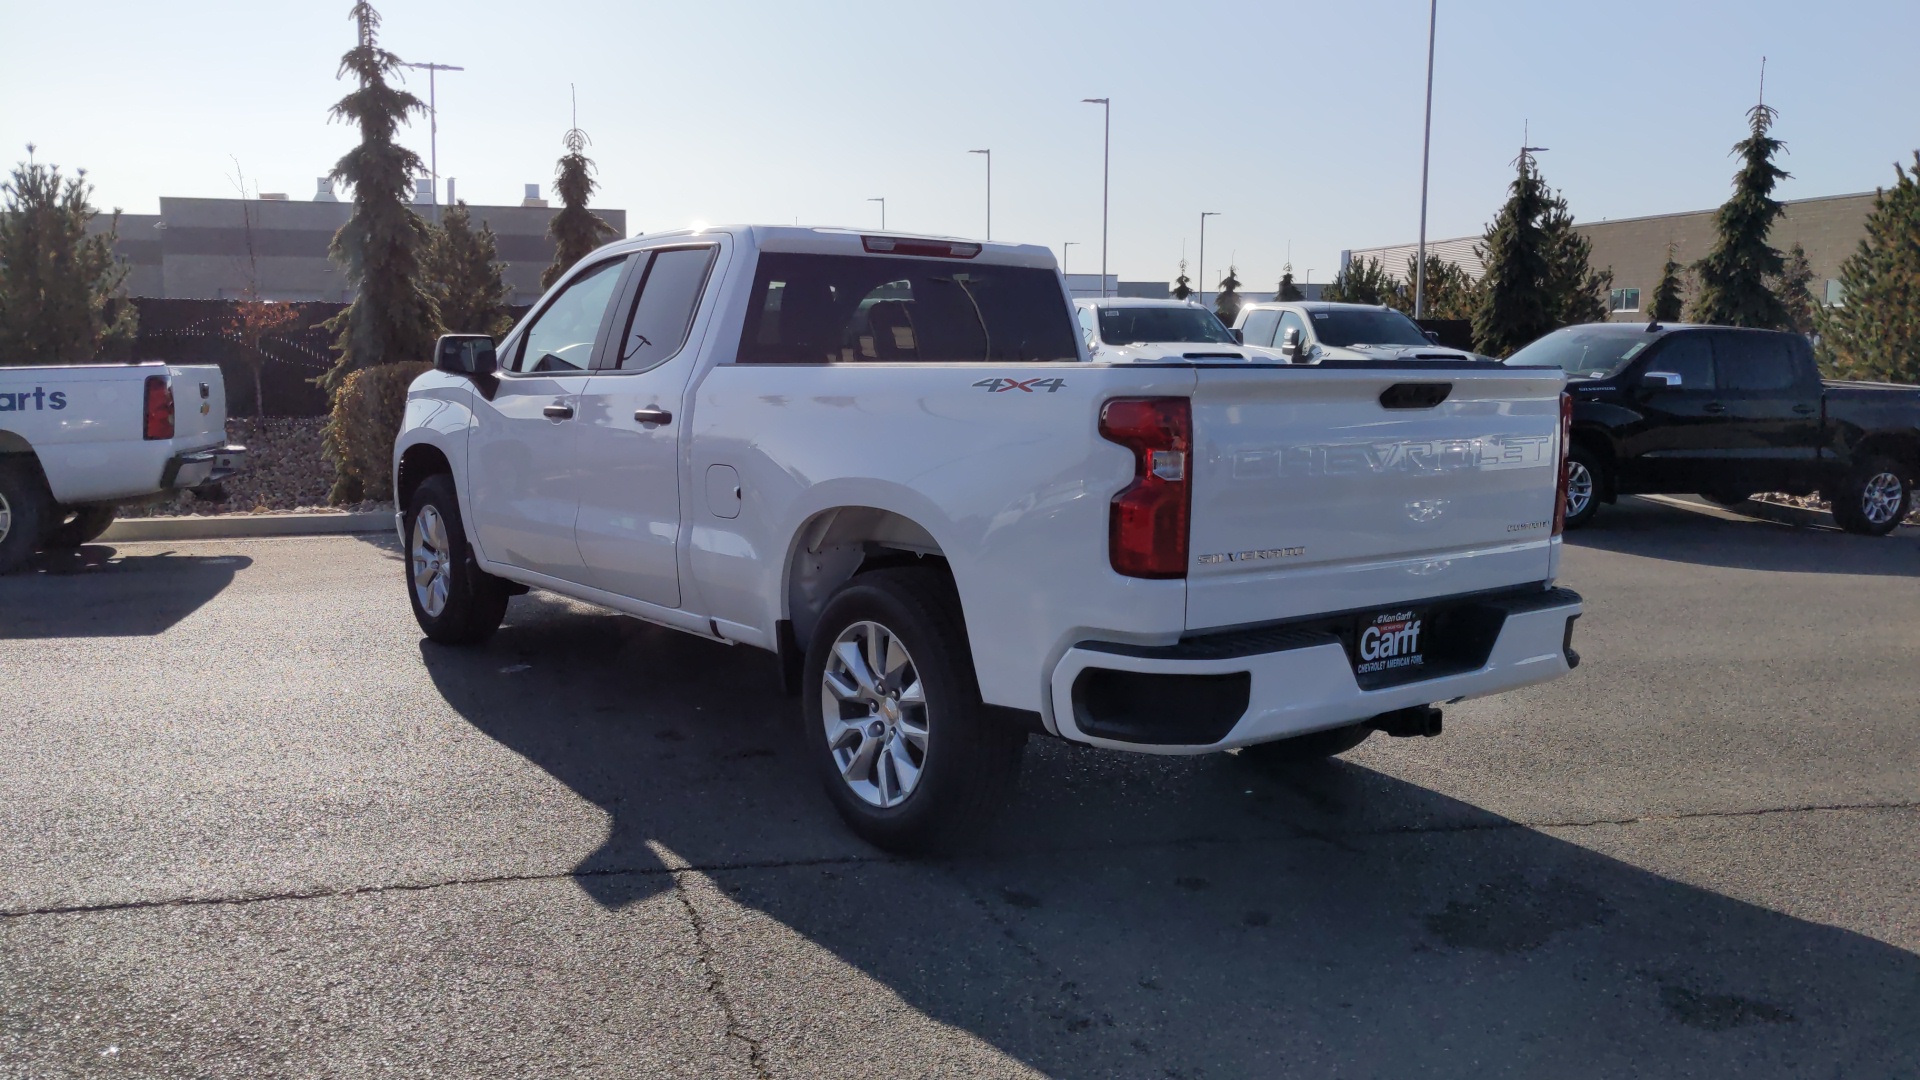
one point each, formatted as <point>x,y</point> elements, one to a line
<point>890,461</point>
<point>77,441</point>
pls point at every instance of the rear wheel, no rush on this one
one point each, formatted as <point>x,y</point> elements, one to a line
<point>454,601</point>
<point>1314,746</point>
<point>909,755</point>
<point>1873,499</point>
<point>1586,484</point>
<point>81,526</point>
<point>24,507</point>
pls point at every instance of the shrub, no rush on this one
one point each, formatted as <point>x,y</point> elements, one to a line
<point>367,410</point>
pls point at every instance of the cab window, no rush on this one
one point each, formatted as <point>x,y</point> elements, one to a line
<point>663,311</point>
<point>560,338</point>
<point>1260,327</point>
<point>1689,356</point>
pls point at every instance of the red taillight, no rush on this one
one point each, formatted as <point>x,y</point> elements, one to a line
<point>159,408</point>
<point>1147,526</point>
<point>1566,447</point>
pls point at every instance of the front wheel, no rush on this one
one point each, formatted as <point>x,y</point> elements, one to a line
<point>454,601</point>
<point>81,526</point>
<point>1586,485</point>
<point>1873,499</point>
<point>909,755</point>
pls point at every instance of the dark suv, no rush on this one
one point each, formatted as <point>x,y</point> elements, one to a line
<point>1724,413</point>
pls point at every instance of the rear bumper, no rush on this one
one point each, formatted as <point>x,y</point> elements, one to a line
<point>1216,692</point>
<point>201,467</point>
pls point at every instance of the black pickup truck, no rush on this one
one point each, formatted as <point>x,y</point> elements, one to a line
<point>1724,413</point>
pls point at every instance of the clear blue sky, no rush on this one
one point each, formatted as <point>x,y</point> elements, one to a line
<point>1297,121</point>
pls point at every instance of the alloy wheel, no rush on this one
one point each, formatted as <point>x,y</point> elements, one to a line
<point>874,707</point>
<point>6,517</point>
<point>1880,498</point>
<point>1579,488</point>
<point>432,564</point>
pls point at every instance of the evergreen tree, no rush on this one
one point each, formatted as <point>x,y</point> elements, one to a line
<point>576,231</point>
<point>60,289</point>
<point>1874,333</point>
<point>1736,276</point>
<point>1450,293</point>
<point>1227,303</point>
<point>1362,281</point>
<point>1795,288</point>
<point>1666,302</point>
<point>1576,292</point>
<point>392,316</point>
<point>1288,290</point>
<point>1515,303</point>
<point>466,277</point>
<point>1182,288</point>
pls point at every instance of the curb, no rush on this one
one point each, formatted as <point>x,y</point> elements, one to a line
<point>227,526</point>
<point>1798,517</point>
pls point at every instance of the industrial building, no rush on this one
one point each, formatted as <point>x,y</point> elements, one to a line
<point>276,248</point>
<point>1830,228</point>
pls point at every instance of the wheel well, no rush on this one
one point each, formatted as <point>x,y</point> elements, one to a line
<point>1601,447</point>
<point>1904,449</point>
<point>419,462</point>
<point>836,544</point>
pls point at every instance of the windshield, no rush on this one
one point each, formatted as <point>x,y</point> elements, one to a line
<point>1133,325</point>
<point>1588,352</point>
<point>1352,328</point>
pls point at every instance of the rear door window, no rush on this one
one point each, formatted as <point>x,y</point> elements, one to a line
<point>1688,355</point>
<point>1260,326</point>
<point>815,309</point>
<point>663,311</point>
<point>1753,360</point>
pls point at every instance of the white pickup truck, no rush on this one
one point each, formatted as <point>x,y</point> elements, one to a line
<point>78,441</point>
<point>890,461</point>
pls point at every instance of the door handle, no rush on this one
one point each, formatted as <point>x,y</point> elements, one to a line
<point>1713,407</point>
<point>557,411</point>
<point>1804,409</point>
<point>653,414</point>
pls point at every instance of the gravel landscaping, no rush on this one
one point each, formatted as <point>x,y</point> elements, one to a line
<point>284,472</point>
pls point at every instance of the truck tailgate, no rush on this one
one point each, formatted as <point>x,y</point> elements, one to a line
<point>199,406</point>
<point>1320,490</point>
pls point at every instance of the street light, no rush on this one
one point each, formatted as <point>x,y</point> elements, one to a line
<point>883,212</point>
<point>1064,245</point>
<point>1106,176</point>
<point>1426,150</point>
<point>989,154</point>
<point>433,130</point>
<point>1201,274</point>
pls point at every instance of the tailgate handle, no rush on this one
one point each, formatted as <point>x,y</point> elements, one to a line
<point>1415,395</point>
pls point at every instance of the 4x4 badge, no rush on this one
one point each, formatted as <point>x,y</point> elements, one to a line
<point>1001,386</point>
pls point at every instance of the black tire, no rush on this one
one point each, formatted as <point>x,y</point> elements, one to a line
<point>1726,498</point>
<point>970,757</point>
<point>81,526</point>
<point>472,602</point>
<point>1862,501</point>
<point>24,509</point>
<point>1314,746</point>
<point>1599,480</point>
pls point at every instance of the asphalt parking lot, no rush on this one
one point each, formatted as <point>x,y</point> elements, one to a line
<point>252,825</point>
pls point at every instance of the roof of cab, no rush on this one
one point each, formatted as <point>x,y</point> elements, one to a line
<point>824,240</point>
<point>1133,301</point>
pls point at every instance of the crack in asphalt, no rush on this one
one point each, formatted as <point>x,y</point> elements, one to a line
<point>1325,836</point>
<point>716,981</point>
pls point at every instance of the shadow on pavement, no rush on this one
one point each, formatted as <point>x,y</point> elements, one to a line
<point>1163,917</point>
<point>1652,530</point>
<point>94,591</point>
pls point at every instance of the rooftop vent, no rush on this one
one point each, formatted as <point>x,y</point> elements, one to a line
<point>324,190</point>
<point>423,191</point>
<point>533,196</point>
<point>273,196</point>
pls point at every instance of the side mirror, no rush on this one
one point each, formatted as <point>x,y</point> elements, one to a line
<point>1660,380</point>
<point>1239,336</point>
<point>465,354</point>
<point>1432,335</point>
<point>1290,342</point>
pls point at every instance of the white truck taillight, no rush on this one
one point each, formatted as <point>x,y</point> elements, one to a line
<point>1566,447</point>
<point>1148,523</point>
<point>159,409</point>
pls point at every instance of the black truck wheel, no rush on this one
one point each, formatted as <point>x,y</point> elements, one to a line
<point>454,601</point>
<point>909,755</point>
<point>1587,480</point>
<point>80,526</point>
<point>23,512</point>
<point>1873,499</point>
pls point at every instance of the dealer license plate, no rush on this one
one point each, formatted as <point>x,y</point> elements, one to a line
<point>1390,642</point>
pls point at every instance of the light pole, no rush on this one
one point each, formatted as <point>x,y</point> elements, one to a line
<point>1426,149</point>
<point>883,211</point>
<point>1201,274</point>
<point>1106,178</point>
<point>1064,245</point>
<point>433,133</point>
<point>989,154</point>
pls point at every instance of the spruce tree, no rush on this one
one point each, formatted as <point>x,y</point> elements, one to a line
<point>1874,332</point>
<point>1362,281</point>
<point>1795,289</point>
<point>466,277</point>
<point>392,317</point>
<point>1182,288</point>
<point>1288,290</point>
<point>1736,277</point>
<point>1227,303</point>
<point>1576,292</point>
<point>1450,293</point>
<point>575,231</point>
<point>1665,306</point>
<point>1516,305</point>
<point>61,300</point>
